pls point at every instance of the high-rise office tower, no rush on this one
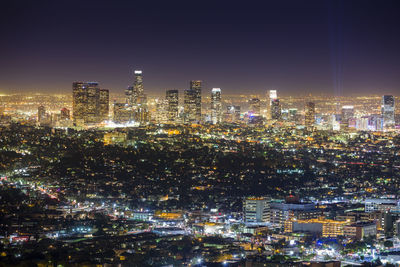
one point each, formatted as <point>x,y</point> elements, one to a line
<point>128,95</point>
<point>216,106</point>
<point>189,106</point>
<point>79,96</point>
<point>41,115</point>
<point>135,94</point>
<point>161,115</point>
<point>271,95</point>
<point>196,87</point>
<point>310,114</point>
<point>136,102</point>
<point>87,104</point>
<point>104,104</point>
<point>172,98</point>
<point>92,114</point>
<point>276,109</point>
<point>138,90</point>
<point>388,109</point>
<point>255,107</point>
<point>347,114</point>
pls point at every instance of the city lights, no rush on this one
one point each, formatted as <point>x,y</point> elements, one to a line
<point>165,133</point>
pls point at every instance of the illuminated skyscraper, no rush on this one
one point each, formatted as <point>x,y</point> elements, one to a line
<point>189,106</point>
<point>196,87</point>
<point>128,95</point>
<point>104,104</point>
<point>347,112</point>
<point>79,95</point>
<point>92,112</point>
<point>138,90</point>
<point>41,115</point>
<point>347,115</point>
<point>136,102</point>
<point>310,114</point>
<point>255,107</point>
<point>139,99</point>
<point>216,106</point>
<point>161,115</point>
<point>276,109</point>
<point>85,104</point>
<point>90,104</point>
<point>135,94</point>
<point>388,109</point>
<point>271,95</point>
<point>172,98</point>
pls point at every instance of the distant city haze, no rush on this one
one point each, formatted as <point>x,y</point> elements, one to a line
<point>297,47</point>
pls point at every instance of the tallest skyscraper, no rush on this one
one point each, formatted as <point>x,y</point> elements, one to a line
<point>135,94</point>
<point>138,91</point>
<point>136,99</point>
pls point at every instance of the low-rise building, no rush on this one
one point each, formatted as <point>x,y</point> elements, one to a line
<point>381,204</point>
<point>319,226</point>
<point>360,230</point>
<point>282,212</point>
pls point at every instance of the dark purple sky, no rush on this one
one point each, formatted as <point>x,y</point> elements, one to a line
<point>334,47</point>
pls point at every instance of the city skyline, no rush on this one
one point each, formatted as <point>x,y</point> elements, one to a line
<point>160,133</point>
<point>332,47</point>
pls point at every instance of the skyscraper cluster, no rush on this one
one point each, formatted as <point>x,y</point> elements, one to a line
<point>90,103</point>
<point>135,107</point>
<point>91,106</point>
<point>192,105</point>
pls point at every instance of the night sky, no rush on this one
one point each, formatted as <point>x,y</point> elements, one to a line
<point>332,47</point>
